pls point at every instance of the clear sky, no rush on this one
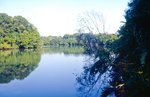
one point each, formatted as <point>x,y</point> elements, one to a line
<point>59,17</point>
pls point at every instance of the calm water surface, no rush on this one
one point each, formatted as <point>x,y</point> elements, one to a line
<point>40,73</point>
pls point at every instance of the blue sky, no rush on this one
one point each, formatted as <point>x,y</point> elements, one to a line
<point>59,17</point>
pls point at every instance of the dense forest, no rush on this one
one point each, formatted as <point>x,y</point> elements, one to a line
<point>17,32</point>
<point>126,62</point>
<point>79,39</point>
<point>124,57</point>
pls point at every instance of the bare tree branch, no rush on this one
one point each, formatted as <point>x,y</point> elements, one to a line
<point>91,22</point>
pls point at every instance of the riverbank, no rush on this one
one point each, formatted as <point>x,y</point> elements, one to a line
<point>21,48</point>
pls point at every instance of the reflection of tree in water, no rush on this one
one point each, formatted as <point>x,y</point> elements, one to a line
<point>96,76</point>
<point>65,49</point>
<point>15,64</point>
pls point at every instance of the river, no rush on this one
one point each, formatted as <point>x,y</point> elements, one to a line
<point>48,72</point>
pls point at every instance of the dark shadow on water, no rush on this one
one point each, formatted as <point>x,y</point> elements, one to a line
<point>96,75</point>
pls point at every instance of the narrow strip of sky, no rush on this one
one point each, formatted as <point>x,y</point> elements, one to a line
<point>58,17</point>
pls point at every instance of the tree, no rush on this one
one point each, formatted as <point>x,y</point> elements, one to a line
<point>128,56</point>
<point>17,32</point>
<point>132,65</point>
<point>91,22</point>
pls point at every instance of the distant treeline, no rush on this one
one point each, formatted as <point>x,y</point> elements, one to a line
<point>17,32</point>
<point>79,39</point>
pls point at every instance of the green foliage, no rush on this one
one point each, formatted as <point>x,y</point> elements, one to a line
<point>128,56</point>
<point>17,32</point>
<point>133,62</point>
<point>5,45</point>
<point>79,39</point>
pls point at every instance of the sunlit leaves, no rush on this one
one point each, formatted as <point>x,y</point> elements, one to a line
<point>17,32</point>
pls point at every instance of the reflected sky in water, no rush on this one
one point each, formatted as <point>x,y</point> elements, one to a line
<point>55,76</point>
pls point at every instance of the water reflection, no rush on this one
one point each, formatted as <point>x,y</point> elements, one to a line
<point>17,64</point>
<point>54,78</point>
<point>47,72</point>
<point>97,74</point>
<point>66,50</point>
